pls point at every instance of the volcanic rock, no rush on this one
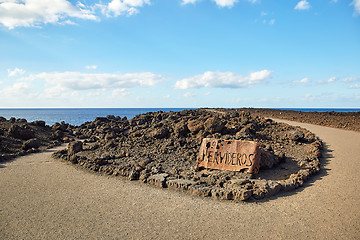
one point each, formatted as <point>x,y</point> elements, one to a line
<point>24,133</point>
<point>296,135</point>
<point>195,126</point>
<point>181,184</point>
<point>75,147</point>
<point>39,123</point>
<point>158,179</point>
<point>214,125</point>
<point>18,137</point>
<point>31,143</point>
<point>161,148</point>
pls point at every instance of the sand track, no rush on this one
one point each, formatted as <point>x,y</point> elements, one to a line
<point>43,198</point>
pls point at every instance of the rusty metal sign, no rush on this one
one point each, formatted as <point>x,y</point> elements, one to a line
<point>232,155</point>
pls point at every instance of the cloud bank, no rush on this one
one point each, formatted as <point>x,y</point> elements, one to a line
<point>73,88</point>
<point>34,13</point>
<point>85,81</point>
<point>17,89</point>
<point>122,7</point>
<point>223,80</point>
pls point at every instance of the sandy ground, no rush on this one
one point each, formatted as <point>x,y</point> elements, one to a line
<point>43,198</point>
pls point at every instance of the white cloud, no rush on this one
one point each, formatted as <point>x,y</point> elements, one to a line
<point>57,92</point>
<point>309,97</point>
<point>304,80</point>
<point>122,92</point>
<point>266,19</point>
<point>356,4</point>
<point>189,94</point>
<point>184,2</point>
<point>220,3</point>
<point>332,79</point>
<point>15,72</point>
<point>225,3</point>
<point>85,81</point>
<point>17,89</point>
<point>302,5</point>
<point>122,7</point>
<point>223,80</point>
<point>355,86</point>
<point>34,13</point>
<point>350,79</point>
<point>91,67</point>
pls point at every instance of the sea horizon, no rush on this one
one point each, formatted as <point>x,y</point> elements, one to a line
<point>78,116</point>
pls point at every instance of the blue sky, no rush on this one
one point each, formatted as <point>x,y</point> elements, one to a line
<point>179,53</point>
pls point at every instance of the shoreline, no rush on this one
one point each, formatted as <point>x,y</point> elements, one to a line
<point>162,149</point>
<point>62,114</point>
<point>105,134</point>
<point>49,199</point>
<point>341,120</point>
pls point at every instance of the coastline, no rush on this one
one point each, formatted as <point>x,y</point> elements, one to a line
<point>49,199</point>
<point>342,120</point>
<point>78,116</point>
<point>111,144</point>
<point>161,148</point>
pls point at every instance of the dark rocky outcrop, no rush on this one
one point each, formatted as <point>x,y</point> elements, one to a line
<point>18,137</point>
<point>32,143</point>
<point>161,149</point>
<point>21,132</point>
<point>75,147</point>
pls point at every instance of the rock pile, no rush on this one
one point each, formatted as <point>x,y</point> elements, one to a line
<point>18,137</point>
<point>161,149</point>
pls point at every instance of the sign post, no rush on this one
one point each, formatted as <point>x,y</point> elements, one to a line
<point>232,155</point>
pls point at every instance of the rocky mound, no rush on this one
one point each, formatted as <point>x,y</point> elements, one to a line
<point>161,149</point>
<point>18,137</point>
<point>344,120</point>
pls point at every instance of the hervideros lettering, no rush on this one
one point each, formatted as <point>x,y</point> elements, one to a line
<point>232,155</point>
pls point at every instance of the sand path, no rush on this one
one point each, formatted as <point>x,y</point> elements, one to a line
<point>43,198</point>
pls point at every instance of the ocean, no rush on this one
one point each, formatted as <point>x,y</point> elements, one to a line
<point>77,116</point>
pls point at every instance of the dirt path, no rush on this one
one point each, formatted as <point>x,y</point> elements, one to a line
<point>43,198</point>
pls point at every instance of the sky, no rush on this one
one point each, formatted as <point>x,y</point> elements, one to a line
<point>179,53</point>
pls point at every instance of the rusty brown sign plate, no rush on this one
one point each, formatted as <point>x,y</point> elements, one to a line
<point>232,155</point>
